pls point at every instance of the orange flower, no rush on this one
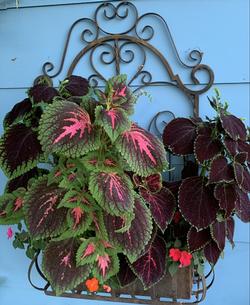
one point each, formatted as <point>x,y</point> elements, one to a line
<point>92,284</point>
<point>106,288</point>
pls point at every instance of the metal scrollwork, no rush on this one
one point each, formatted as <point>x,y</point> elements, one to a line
<point>124,47</point>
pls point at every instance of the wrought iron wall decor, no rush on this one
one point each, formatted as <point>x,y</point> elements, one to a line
<point>118,50</point>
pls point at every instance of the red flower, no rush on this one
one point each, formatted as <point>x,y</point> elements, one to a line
<point>175,254</point>
<point>185,259</point>
<point>92,284</point>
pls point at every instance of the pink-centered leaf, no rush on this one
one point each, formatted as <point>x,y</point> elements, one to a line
<point>220,171</point>
<point>212,252</point>
<point>134,240</point>
<point>114,121</point>
<point>112,191</point>
<point>162,205</point>
<point>18,204</point>
<point>89,250</point>
<point>197,239</point>
<point>66,128</point>
<point>218,232</point>
<point>143,152</point>
<point>151,267</point>
<point>43,217</point>
<point>242,176</point>
<point>226,194</point>
<point>103,263</point>
<point>197,203</point>
<point>179,136</point>
<point>59,265</point>
<point>234,127</point>
<point>77,215</point>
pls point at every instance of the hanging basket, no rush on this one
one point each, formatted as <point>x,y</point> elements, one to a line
<point>184,287</point>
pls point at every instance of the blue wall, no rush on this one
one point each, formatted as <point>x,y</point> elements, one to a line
<point>30,36</point>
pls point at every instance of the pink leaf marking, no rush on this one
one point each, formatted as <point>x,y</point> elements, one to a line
<point>18,204</point>
<point>141,140</point>
<point>80,122</point>
<point>9,233</point>
<point>113,116</point>
<point>103,263</point>
<point>109,162</point>
<point>106,244</point>
<point>66,260</point>
<point>57,174</point>
<point>89,250</point>
<point>77,215</point>
<point>115,182</point>
<point>51,201</point>
<point>121,92</point>
<point>96,222</point>
<point>3,213</point>
<point>72,199</point>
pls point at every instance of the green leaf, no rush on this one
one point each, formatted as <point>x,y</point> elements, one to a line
<point>59,265</point>
<point>112,191</point>
<point>173,268</point>
<point>66,128</point>
<point>114,121</point>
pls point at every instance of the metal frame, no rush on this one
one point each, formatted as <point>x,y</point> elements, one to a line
<point>118,50</point>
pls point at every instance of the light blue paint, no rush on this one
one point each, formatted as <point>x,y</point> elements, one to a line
<point>29,37</point>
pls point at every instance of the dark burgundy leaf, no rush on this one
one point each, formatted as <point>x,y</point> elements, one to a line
<point>206,148</point>
<point>42,93</point>
<point>125,275</point>
<point>226,195</point>
<point>212,252</point>
<point>179,136</point>
<point>151,267</point>
<point>244,147</point>
<point>190,169</point>
<point>144,153</point>
<point>59,265</point>
<point>197,203</point>
<point>197,239</point>
<point>112,191</point>
<point>43,217</point>
<point>22,181</point>
<point>218,231</point>
<point>162,206</point>
<point>220,171</point>
<point>173,186</point>
<point>234,127</point>
<point>230,230</point>
<point>154,182</point>
<point>242,176</point>
<point>137,237</point>
<point>231,146</point>
<point>241,157</point>
<point>17,112</point>
<point>19,150</point>
<point>66,128</point>
<point>242,206</point>
<point>77,85</point>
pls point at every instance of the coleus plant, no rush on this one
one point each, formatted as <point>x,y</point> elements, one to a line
<point>85,185</point>
<point>215,180</point>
